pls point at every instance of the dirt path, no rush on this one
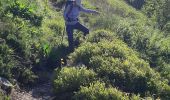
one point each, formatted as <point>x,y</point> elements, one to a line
<point>42,90</point>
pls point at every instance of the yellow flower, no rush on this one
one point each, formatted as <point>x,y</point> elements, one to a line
<point>126,62</point>
<point>62,62</point>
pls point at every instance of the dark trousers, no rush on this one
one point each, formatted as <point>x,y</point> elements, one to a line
<point>70,29</point>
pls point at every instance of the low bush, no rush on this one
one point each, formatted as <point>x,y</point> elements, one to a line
<point>98,91</point>
<point>31,45</point>
<point>56,54</point>
<point>158,11</point>
<point>121,66</point>
<point>151,43</point>
<point>20,10</point>
<point>11,68</point>
<point>19,50</point>
<point>3,96</point>
<point>100,35</point>
<point>7,62</point>
<point>69,79</point>
<point>166,28</point>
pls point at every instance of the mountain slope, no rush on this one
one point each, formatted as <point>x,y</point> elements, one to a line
<point>125,54</point>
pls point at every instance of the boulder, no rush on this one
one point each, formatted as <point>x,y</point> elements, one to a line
<point>1,93</point>
<point>6,86</point>
<point>2,41</point>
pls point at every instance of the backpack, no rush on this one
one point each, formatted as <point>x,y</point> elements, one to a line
<point>71,3</point>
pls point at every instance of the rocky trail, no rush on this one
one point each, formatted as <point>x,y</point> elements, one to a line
<point>41,91</point>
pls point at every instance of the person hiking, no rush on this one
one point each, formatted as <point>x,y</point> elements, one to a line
<point>71,14</point>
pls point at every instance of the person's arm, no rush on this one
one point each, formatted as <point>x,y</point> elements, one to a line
<point>88,10</point>
<point>66,12</point>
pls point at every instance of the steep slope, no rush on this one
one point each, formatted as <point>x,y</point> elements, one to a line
<point>128,58</point>
<point>135,29</point>
<point>30,30</point>
<point>117,65</point>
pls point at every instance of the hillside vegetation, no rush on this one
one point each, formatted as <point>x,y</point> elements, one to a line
<point>126,56</point>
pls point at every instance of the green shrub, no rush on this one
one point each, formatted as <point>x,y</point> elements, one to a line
<point>122,9</point>
<point>31,45</point>
<point>107,23</point>
<point>56,54</point>
<point>20,10</point>
<point>84,53</point>
<point>158,11</point>
<point>158,53</point>
<point>152,44</point>
<point>123,68</point>
<point>98,91</point>
<point>165,71</point>
<point>121,74</point>
<point>27,76</point>
<point>7,62</point>
<point>120,65</point>
<point>3,96</point>
<point>69,79</point>
<point>88,50</point>
<point>166,28</point>
<point>100,35</point>
<point>56,26</point>
<point>19,50</point>
<point>165,93</point>
<point>137,32</point>
<point>10,68</point>
<point>110,58</point>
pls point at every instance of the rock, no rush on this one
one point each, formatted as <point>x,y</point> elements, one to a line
<point>6,86</point>
<point>1,92</point>
<point>2,41</point>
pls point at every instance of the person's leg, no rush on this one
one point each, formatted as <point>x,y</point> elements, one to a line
<point>69,30</point>
<point>82,28</point>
